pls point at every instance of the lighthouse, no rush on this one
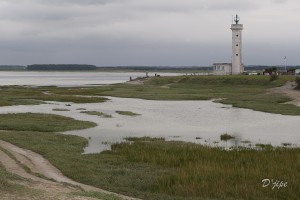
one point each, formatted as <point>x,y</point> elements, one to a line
<point>236,66</point>
<point>236,57</point>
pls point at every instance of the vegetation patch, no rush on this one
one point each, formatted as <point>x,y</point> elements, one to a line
<point>238,91</point>
<point>169,170</point>
<point>101,114</point>
<point>128,113</point>
<point>98,195</point>
<point>143,139</point>
<point>225,137</point>
<point>273,77</point>
<point>287,144</point>
<point>41,122</point>
<point>18,95</point>
<point>60,109</point>
<point>297,83</point>
<point>264,146</point>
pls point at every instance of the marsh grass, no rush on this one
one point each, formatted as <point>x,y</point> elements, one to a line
<point>100,114</point>
<point>41,122</point>
<point>264,146</point>
<point>156,169</point>
<point>225,137</point>
<point>143,139</point>
<point>286,144</point>
<point>60,109</point>
<point>128,113</point>
<point>18,95</point>
<point>239,91</point>
<point>98,195</point>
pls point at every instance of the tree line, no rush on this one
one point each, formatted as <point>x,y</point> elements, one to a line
<point>49,67</point>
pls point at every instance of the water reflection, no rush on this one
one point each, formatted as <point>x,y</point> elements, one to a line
<point>195,121</point>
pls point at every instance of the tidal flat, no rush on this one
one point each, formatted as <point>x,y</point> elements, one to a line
<point>151,168</point>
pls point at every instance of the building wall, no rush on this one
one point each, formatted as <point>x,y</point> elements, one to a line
<point>222,68</point>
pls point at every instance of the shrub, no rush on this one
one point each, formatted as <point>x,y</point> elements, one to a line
<point>297,83</point>
<point>273,77</point>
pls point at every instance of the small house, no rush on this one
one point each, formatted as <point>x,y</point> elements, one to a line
<point>222,68</point>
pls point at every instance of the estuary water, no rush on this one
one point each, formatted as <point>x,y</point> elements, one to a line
<point>194,121</point>
<point>69,79</point>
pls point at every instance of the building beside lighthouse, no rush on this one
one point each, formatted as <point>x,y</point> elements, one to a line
<point>236,66</point>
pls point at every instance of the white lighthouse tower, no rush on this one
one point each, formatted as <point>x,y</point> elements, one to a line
<point>236,59</point>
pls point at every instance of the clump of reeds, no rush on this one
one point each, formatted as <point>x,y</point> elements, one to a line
<point>225,137</point>
<point>128,113</point>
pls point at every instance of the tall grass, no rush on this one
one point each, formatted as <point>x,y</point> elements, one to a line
<point>216,173</point>
<point>41,122</point>
<point>156,169</point>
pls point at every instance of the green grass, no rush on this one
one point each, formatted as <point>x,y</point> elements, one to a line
<point>156,169</point>
<point>18,95</point>
<point>41,122</point>
<point>128,113</point>
<point>143,139</point>
<point>100,114</point>
<point>239,91</point>
<point>98,195</point>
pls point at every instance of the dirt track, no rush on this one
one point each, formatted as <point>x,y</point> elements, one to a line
<point>52,189</point>
<point>288,89</point>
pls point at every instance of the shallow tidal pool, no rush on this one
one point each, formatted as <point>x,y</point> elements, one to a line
<point>200,122</point>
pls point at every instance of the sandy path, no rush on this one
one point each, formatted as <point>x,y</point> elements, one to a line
<point>37,164</point>
<point>288,89</point>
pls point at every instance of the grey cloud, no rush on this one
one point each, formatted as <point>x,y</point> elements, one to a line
<point>279,1</point>
<point>139,32</point>
<point>233,5</point>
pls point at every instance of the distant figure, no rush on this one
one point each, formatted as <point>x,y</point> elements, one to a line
<point>155,75</point>
<point>130,78</point>
<point>147,74</point>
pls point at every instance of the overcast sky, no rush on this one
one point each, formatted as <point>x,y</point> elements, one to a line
<point>147,32</point>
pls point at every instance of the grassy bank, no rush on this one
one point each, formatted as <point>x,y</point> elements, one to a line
<point>156,169</point>
<point>239,91</point>
<point>41,122</point>
<point>18,95</point>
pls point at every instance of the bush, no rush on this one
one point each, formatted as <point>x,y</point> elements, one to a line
<point>297,83</point>
<point>273,77</point>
